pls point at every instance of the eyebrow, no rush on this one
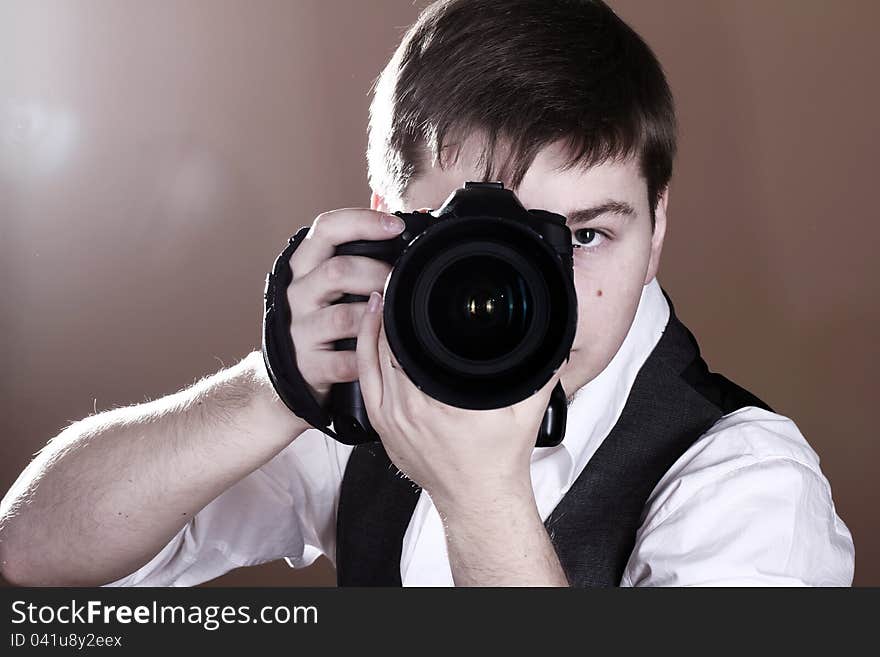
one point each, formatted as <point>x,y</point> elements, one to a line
<point>608,207</point>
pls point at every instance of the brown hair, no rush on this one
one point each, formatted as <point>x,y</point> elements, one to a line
<point>524,74</point>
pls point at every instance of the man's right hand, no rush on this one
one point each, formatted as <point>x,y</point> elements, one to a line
<point>320,278</point>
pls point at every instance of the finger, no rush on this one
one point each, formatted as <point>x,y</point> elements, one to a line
<point>399,392</point>
<point>318,329</point>
<point>336,227</point>
<point>369,370</point>
<point>390,369</point>
<point>324,368</point>
<point>335,277</point>
<point>389,360</point>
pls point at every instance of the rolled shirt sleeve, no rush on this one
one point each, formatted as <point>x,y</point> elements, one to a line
<point>284,509</point>
<point>747,505</point>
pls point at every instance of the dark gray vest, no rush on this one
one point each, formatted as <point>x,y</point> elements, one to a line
<point>674,400</point>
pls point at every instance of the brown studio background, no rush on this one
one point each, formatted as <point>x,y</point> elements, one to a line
<point>154,157</point>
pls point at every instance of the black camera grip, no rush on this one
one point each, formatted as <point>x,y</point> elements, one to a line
<point>346,401</point>
<point>347,404</point>
<point>385,250</point>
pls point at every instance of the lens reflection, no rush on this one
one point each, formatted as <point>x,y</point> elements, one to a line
<point>480,308</point>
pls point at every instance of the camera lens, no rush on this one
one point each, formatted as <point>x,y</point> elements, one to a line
<point>479,308</point>
<point>478,311</point>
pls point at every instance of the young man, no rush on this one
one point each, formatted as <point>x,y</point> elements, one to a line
<point>668,474</point>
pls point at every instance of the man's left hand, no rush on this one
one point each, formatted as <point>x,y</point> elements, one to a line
<point>459,456</point>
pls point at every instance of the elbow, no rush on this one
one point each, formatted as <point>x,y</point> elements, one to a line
<point>20,566</point>
<point>13,563</point>
<point>13,559</point>
<point>13,575</point>
<point>17,566</point>
<point>17,570</point>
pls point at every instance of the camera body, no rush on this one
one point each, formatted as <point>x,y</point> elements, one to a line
<point>480,308</point>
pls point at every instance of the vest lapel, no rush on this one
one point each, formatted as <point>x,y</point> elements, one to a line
<point>376,503</point>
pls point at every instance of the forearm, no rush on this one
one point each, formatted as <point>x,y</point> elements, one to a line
<point>111,490</point>
<point>498,539</point>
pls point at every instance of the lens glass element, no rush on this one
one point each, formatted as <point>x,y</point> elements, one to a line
<point>480,308</point>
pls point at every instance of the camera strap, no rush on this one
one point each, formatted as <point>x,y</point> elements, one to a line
<point>279,353</point>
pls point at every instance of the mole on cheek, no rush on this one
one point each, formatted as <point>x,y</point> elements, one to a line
<point>598,293</point>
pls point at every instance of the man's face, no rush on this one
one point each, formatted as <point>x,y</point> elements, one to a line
<point>619,255</point>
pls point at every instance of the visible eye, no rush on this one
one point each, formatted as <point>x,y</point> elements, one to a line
<point>588,237</point>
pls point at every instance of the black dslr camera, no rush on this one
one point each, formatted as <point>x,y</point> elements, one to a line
<point>480,311</point>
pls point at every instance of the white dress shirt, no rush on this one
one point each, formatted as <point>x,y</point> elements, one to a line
<point>746,504</point>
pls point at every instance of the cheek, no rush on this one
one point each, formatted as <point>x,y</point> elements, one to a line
<point>608,291</point>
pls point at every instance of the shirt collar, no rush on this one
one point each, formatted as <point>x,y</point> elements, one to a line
<point>597,405</point>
